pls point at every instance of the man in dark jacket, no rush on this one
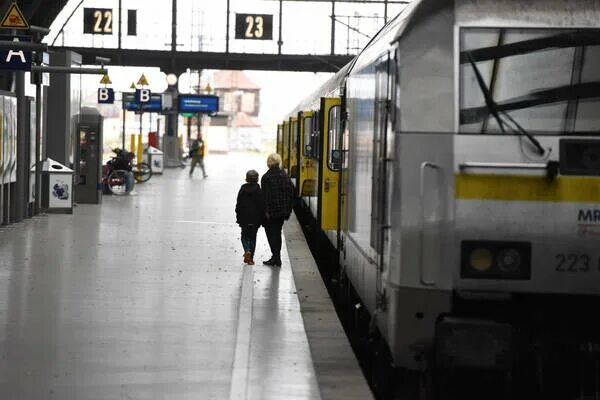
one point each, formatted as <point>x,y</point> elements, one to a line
<point>249,212</point>
<point>279,200</point>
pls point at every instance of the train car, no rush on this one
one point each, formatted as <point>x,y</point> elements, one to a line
<point>468,187</point>
<point>315,155</point>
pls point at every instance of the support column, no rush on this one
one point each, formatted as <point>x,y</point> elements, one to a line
<point>227,27</point>
<point>21,198</point>
<point>333,27</point>
<point>171,148</point>
<point>280,41</point>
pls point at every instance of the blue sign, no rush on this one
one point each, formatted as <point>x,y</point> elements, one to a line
<point>15,60</point>
<point>143,95</point>
<point>154,105</point>
<point>106,96</point>
<point>193,103</point>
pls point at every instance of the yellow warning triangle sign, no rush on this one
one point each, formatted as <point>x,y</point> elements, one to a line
<point>14,18</point>
<point>105,80</point>
<point>143,81</point>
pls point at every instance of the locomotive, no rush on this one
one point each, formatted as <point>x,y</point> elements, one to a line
<point>454,165</point>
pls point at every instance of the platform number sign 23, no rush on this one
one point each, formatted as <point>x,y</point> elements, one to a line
<point>98,21</point>
<point>254,26</point>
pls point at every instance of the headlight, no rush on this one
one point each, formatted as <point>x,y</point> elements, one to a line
<point>490,259</point>
<point>508,260</point>
<point>481,259</point>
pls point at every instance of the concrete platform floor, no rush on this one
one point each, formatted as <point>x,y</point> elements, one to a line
<point>146,297</point>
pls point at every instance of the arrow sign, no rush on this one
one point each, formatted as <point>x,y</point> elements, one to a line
<point>14,18</point>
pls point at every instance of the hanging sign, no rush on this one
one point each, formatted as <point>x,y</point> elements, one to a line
<point>143,81</point>
<point>189,103</point>
<point>14,18</point>
<point>130,103</point>
<point>15,60</point>
<point>254,26</point>
<point>98,21</point>
<point>106,96</point>
<point>105,80</point>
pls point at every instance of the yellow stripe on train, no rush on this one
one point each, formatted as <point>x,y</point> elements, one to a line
<point>527,188</point>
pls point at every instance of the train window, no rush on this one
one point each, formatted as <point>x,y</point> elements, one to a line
<point>315,137</point>
<point>542,81</point>
<point>294,134</point>
<point>307,135</point>
<point>334,153</point>
<point>279,136</point>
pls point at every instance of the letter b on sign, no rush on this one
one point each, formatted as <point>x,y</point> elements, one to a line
<point>106,96</point>
<point>143,96</point>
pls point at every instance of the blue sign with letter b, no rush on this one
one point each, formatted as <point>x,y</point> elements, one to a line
<point>106,96</point>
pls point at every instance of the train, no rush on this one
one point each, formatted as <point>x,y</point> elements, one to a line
<point>454,167</point>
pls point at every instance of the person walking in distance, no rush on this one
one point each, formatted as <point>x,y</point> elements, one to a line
<point>249,212</point>
<point>278,193</point>
<point>197,156</point>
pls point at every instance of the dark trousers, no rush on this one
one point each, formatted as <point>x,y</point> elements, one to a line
<point>249,237</point>
<point>273,230</point>
<point>197,160</point>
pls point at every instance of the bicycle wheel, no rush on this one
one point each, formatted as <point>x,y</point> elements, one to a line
<point>119,183</point>
<point>142,172</point>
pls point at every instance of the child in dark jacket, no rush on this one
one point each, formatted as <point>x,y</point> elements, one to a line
<point>250,211</point>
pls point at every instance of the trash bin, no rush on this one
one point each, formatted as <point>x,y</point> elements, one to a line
<point>57,187</point>
<point>154,158</point>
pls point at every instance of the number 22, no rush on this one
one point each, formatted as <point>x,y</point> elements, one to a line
<point>107,24</point>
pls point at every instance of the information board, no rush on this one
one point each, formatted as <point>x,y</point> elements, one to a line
<point>130,104</point>
<point>190,103</point>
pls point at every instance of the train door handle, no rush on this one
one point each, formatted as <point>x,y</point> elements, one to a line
<point>327,184</point>
<point>424,166</point>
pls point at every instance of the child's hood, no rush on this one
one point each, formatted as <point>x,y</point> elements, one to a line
<point>250,187</point>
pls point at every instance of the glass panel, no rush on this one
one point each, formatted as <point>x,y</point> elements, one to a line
<point>334,155</point>
<point>316,135</point>
<point>543,80</point>
<point>294,134</point>
<point>308,129</point>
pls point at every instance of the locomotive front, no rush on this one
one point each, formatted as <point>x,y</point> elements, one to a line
<point>527,184</point>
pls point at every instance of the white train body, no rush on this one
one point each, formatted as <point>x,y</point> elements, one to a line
<point>442,211</point>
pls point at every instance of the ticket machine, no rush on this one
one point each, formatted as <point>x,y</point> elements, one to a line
<point>88,157</point>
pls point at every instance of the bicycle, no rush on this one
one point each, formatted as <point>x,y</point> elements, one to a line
<point>119,174</point>
<point>142,172</point>
<point>116,181</point>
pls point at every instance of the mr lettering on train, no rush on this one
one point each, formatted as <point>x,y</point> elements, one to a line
<point>588,215</point>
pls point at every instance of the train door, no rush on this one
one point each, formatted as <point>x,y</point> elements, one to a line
<point>293,152</point>
<point>279,144</point>
<point>306,154</point>
<point>383,152</point>
<point>330,163</point>
<point>286,145</point>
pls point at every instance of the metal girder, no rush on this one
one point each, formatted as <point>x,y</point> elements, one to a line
<point>180,61</point>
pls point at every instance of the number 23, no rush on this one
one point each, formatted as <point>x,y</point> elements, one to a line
<point>254,26</point>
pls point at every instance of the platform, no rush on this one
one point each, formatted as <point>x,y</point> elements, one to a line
<point>146,297</point>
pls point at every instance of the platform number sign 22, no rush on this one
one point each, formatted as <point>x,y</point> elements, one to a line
<point>254,26</point>
<point>98,21</point>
